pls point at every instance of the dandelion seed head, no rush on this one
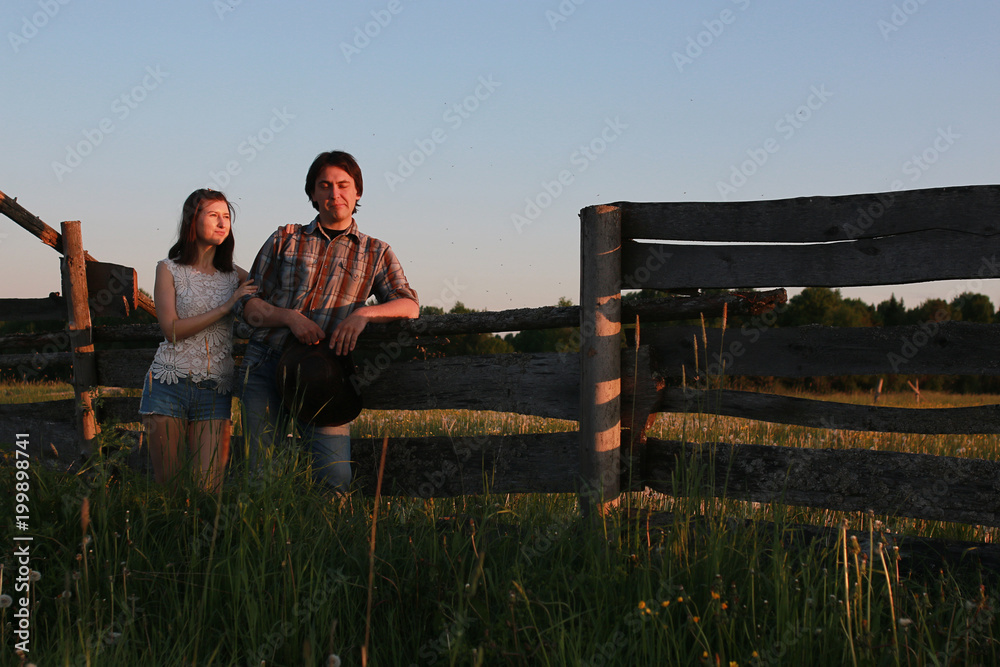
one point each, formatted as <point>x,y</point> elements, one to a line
<point>6,601</point>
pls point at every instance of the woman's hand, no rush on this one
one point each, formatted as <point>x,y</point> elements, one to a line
<point>245,288</point>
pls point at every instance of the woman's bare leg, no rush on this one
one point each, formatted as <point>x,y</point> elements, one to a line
<point>163,435</point>
<point>209,445</point>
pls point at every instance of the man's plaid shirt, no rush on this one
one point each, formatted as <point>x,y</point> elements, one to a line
<point>304,269</point>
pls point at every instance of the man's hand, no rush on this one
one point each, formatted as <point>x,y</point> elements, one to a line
<point>345,336</point>
<point>305,330</point>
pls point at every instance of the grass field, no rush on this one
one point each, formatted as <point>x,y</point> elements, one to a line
<point>275,572</point>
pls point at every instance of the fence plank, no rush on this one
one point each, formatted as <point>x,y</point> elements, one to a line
<point>931,348</point>
<point>830,415</point>
<point>891,260</point>
<point>545,384</point>
<point>50,308</point>
<point>919,486</point>
<point>443,467</point>
<point>816,219</point>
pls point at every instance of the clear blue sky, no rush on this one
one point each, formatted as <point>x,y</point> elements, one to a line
<point>461,114</point>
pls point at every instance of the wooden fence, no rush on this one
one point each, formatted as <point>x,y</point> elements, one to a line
<point>873,239</point>
<point>614,391</point>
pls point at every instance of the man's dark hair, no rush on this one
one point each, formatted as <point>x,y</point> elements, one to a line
<point>340,159</point>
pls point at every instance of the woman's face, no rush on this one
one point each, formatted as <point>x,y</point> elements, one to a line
<point>212,224</point>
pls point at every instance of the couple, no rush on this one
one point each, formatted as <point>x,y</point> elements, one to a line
<point>309,283</point>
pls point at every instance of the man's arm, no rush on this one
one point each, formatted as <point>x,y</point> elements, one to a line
<point>345,335</point>
<point>260,313</point>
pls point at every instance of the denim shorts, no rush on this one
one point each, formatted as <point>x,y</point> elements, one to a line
<point>192,401</point>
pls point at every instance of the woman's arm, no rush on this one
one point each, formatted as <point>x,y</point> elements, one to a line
<point>165,299</point>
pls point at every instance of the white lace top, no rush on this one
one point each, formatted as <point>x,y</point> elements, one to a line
<point>208,354</point>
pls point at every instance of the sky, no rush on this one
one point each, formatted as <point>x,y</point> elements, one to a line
<point>482,128</point>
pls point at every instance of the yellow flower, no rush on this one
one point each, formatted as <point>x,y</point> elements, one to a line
<point>680,599</point>
<point>695,618</point>
<point>642,604</point>
<point>665,604</point>
<point>754,655</point>
<point>715,596</point>
<point>733,663</point>
<point>725,606</point>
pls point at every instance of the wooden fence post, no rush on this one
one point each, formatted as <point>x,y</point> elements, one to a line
<point>600,355</point>
<point>74,276</point>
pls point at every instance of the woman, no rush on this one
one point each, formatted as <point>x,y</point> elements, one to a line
<point>186,397</point>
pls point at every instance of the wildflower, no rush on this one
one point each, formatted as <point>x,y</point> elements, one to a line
<point>333,660</point>
<point>725,606</point>
<point>754,655</point>
<point>642,604</point>
<point>733,663</point>
<point>680,599</point>
<point>6,601</point>
<point>715,595</point>
<point>34,575</point>
<point>905,622</point>
<point>696,618</point>
<point>665,604</point>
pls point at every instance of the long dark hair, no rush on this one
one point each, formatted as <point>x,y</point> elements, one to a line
<point>184,251</point>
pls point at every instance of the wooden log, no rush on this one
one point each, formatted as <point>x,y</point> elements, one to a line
<point>971,209</point>
<point>544,384</point>
<point>33,366</point>
<point>931,348</point>
<point>891,260</point>
<point>53,239</point>
<point>442,467</point>
<point>50,308</point>
<point>79,330</point>
<point>919,486</point>
<point>554,317</point>
<point>830,415</point>
<point>600,355</point>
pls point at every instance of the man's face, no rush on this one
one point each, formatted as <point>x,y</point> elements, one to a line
<point>335,196</point>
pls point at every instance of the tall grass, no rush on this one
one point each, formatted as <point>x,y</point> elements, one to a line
<point>275,571</point>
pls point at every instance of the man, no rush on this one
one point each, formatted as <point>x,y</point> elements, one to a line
<point>313,281</point>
